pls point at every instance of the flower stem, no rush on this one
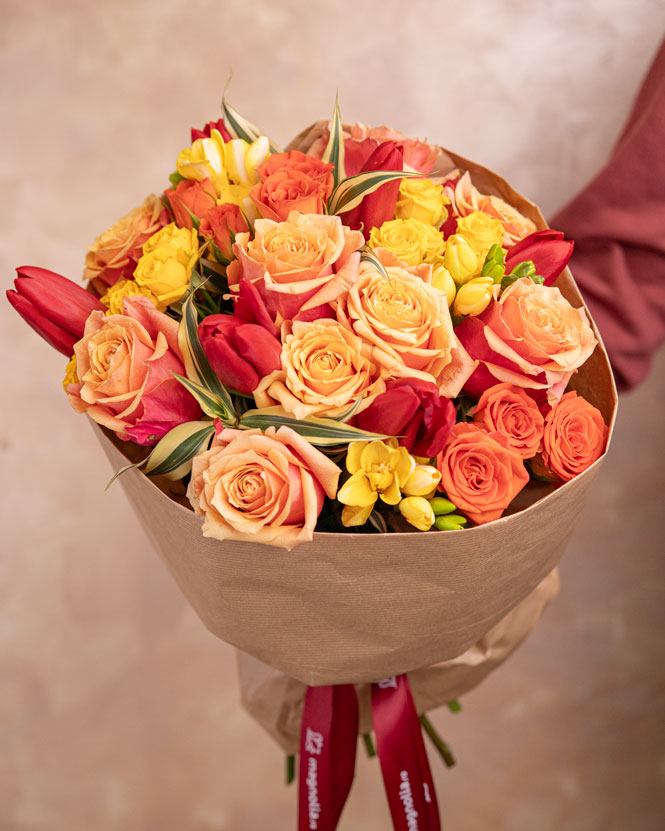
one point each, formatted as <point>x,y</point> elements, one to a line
<point>369,745</point>
<point>437,741</point>
<point>290,769</point>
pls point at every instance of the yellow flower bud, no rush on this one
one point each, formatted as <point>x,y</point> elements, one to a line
<point>461,260</point>
<point>70,374</point>
<point>442,280</point>
<point>417,511</point>
<point>353,515</point>
<point>473,297</point>
<point>422,481</point>
<point>421,199</point>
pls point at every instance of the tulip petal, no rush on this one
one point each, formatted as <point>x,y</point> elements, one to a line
<point>53,334</point>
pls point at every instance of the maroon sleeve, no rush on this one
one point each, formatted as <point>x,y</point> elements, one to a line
<point>618,224</point>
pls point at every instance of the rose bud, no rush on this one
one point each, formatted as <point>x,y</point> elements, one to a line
<point>55,307</point>
<point>240,353</point>
<point>207,130</point>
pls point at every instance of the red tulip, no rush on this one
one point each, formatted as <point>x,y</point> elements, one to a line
<point>548,251</point>
<point>413,410</point>
<point>55,307</point>
<point>378,207</point>
<point>211,125</point>
<point>240,353</point>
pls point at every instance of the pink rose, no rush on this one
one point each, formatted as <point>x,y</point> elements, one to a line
<point>531,337</point>
<point>125,365</point>
<point>261,487</point>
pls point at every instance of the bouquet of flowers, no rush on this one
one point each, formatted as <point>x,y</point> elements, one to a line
<point>364,346</point>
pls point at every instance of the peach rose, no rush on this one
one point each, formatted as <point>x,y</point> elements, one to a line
<point>115,253</point>
<point>297,265</point>
<point>405,321</point>
<point>531,337</point>
<point>125,365</point>
<point>292,182</point>
<point>507,409</point>
<point>261,487</point>
<point>479,472</point>
<point>465,198</point>
<point>575,437</point>
<point>325,369</point>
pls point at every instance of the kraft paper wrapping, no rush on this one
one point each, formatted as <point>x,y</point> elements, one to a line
<point>276,701</point>
<point>356,608</point>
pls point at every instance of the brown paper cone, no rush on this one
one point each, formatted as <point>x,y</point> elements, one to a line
<point>354,608</point>
<point>276,701</point>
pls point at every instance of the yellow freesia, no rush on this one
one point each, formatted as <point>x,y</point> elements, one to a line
<point>473,297</point>
<point>417,511</point>
<point>442,280</point>
<point>422,482</point>
<point>378,470</point>
<point>460,259</point>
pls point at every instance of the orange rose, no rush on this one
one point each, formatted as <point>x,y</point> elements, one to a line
<point>297,265</point>
<point>292,182</point>
<point>465,198</point>
<point>507,409</point>
<point>115,253</point>
<point>480,473</point>
<point>261,487</point>
<point>191,197</point>
<point>325,369</point>
<point>223,223</point>
<point>575,437</point>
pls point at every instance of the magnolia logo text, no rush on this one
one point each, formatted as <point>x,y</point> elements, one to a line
<point>406,797</point>
<point>313,742</point>
<point>313,804</point>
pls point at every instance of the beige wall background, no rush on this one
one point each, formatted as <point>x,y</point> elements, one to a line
<point>119,711</point>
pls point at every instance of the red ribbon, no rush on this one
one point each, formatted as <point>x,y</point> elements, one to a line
<point>327,755</point>
<point>404,765</point>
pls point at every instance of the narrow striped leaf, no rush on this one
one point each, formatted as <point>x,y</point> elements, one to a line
<point>123,470</point>
<point>208,401</point>
<point>197,366</point>
<point>334,151</point>
<point>367,255</point>
<point>347,414</point>
<point>351,192</point>
<point>240,128</point>
<point>324,432</point>
<point>172,456</point>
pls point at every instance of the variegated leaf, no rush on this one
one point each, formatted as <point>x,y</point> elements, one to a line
<point>197,366</point>
<point>211,404</point>
<point>334,151</point>
<point>367,255</point>
<point>240,128</point>
<point>351,192</point>
<point>323,432</point>
<point>172,456</point>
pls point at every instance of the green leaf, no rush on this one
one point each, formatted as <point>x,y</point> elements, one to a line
<point>172,456</point>
<point>351,192</point>
<point>347,414</point>
<point>123,470</point>
<point>325,432</point>
<point>175,178</point>
<point>334,151</point>
<point>367,255</point>
<point>197,366</point>
<point>240,128</point>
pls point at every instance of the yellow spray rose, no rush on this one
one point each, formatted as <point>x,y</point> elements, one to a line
<point>378,470</point>
<point>412,241</point>
<point>231,166</point>
<point>421,199</point>
<point>481,231</point>
<point>124,288</point>
<point>167,262</point>
<point>71,376</point>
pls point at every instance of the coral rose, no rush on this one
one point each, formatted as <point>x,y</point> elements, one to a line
<point>480,473</point>
<point>575,437</point>
<point>292,182</point>
<point>261,487</point>
<point>531,337</point>
<point>125,365</point>
<point>325,369</point>
<point>406,322</point>
<point>191,198</point>
<point>507,409</point>
<point>115,253</point>
<point>297,265</point>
